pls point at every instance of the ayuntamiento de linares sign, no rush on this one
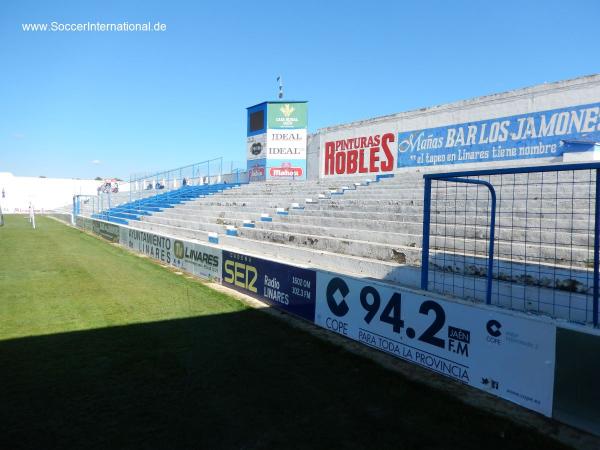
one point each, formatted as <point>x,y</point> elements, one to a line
<point>534,135</point>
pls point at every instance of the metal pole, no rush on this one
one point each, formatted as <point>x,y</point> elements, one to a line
<point>426,225</point>
<point>596,249</point>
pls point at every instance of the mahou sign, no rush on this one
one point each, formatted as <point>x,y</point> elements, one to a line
<point>366,154</point>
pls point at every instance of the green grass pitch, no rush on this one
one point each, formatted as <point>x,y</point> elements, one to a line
<point>102,349</point>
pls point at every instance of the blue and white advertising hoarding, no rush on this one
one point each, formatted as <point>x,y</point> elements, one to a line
<point>533,135</point>
<point>287,287</point>
<point>198,259</point>
<point>491,350</point>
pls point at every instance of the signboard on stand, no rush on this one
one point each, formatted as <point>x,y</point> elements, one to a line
<point>485,348</point>
<point>276,141</point>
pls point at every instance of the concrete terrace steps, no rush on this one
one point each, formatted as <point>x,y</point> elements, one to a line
<point>406,248</point>
<point>414,224</point>
<point>390,271</point>
<point>405,233</point>
<point>389,232</point>
<point>376,230</point>
<point>382,224</point>
<point>565,304</point>
<point>561,208</point>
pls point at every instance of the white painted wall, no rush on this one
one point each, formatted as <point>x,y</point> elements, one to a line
<point>43,193</point>
<point>543,97</point>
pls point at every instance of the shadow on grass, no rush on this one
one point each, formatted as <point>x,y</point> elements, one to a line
<point>239,380</point>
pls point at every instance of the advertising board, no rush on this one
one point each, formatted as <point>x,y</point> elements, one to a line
<point>256,147</point>
<point>286,144</point>
<point>287,115</point>
<point>286,170</point>
<point>491,350</point>
<point>257,169</point>
<point>109,231</point>
<point>287,287</point>
<point>201,260</point>
<point>533,135</point>
<point>371,154</point>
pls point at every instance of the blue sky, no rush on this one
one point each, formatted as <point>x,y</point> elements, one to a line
<point>141,101</point>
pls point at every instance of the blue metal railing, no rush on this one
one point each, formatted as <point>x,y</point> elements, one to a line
<point>564,195</point>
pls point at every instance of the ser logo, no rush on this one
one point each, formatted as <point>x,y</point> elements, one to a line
<point>241,275</point>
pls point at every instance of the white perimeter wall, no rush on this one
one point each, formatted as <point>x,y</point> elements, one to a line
<point>547,96</point>
<point>43,193</point>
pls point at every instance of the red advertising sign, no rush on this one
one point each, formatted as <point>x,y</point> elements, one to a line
<point>366,154</point>
<point>286,170</point>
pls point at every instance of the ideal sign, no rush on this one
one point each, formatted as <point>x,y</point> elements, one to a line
<point>276,142</point>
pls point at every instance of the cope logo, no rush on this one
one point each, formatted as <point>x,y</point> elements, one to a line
<point>179,249</point>
<point>337,290</point>
<point>493,328</point>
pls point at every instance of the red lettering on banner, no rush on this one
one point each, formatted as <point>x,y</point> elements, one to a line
<point>374,158</point>
<point>352,157</point>
<point>364,154</point>
<point>361,164</point>
<point>388,165</point>
<point>340,163</point>
<point>329,157</point>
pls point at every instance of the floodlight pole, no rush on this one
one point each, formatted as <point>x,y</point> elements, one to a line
<point>280,87</point>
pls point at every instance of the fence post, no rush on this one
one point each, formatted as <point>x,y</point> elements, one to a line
<point>596,250</point>
<point>490,274</point>
<point>426,224</point>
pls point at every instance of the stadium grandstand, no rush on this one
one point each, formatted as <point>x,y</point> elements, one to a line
<point>489,205</point>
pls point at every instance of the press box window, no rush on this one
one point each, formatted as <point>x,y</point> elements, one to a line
<point>257,120</point>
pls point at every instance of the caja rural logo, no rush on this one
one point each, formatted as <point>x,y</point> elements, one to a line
<point>287,110</point>
<point>288,119</point>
